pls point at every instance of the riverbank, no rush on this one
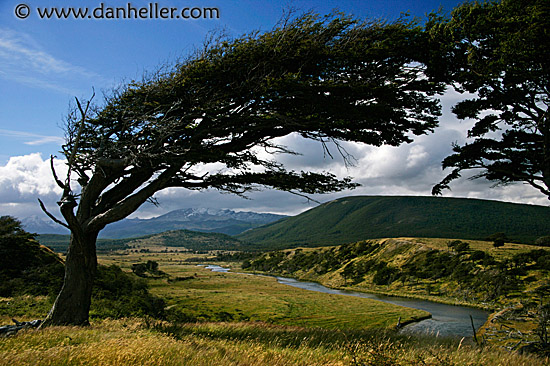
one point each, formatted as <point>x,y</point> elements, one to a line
<point>444,320</point>
<point>329,284</point>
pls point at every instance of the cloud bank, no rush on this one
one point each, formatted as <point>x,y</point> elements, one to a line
<point>410,169</point>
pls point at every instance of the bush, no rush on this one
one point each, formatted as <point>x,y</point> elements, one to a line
<point>543,241</point>
<point>462,247</point>
<point>151,267</point>
<point>384,274</point>
<point>498,243</point>
<point>497,236</point>
<point>118,294</point>
<point>26,267</point>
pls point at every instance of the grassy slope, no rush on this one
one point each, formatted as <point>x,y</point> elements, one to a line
<point>362,217</point>
<point>397,254</point>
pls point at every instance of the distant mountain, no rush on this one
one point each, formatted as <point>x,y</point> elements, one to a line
<point>205,220</point>
<point>223,221</point>
<point>357,218</point>
<point>42,225</point>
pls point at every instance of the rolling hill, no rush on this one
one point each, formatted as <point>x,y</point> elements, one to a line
<point>28,268</point>
<point>190,240</point>
<point>357,218</point>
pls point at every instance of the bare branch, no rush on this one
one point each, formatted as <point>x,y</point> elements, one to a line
<point>57,180</point>
<point>43,207</point>
<point>153,201</point>
<point>70,162</point>
<point>309,199</point>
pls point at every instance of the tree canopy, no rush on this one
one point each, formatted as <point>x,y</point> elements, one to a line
<point>331,78</point>
<point>212,121</point>
<point>498,52</point>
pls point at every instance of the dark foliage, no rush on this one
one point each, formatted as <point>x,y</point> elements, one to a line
<point>150,267</point>
<point>498,52</point>
<point>118,294</point>
<point>543,241</point>
<point>498,243</point>
<point>25,266</point>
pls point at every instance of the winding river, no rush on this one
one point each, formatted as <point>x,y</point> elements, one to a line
<point>446,321</point>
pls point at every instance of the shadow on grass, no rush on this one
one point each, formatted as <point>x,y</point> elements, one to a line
<point>294,337</point>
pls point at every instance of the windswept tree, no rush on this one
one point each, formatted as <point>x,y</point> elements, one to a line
<point>498,52</point>
<point>210,121</point>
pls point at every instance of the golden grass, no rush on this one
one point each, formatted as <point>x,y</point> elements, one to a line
<point>130,342</point>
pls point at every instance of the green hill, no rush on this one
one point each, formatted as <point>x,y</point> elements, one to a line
<point>357,218</point>
<point>187,239</point>
<point>26,267</point>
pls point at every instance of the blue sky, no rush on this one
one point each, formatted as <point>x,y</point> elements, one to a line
<point>45,63</point>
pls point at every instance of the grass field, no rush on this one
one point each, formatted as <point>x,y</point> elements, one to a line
<point>232,296</point>
<point>206,295</point>
<point>135,342</point>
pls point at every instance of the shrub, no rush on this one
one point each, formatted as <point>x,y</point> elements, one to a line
<point>543,241</point>
<point>26,267</point>
<point>384,274</point>
<point>118,294</point>
<point>498,243</point>
<point>462,247</point>
<point>497,236</point>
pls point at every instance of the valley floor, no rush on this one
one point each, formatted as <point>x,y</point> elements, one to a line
<point>218,318</point>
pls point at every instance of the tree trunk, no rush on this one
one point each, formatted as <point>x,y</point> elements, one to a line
<point>72,305</point>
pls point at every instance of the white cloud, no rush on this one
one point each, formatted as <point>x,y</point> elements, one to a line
<point>25,178</point>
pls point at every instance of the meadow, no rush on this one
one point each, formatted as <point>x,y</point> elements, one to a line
<point>196,293</point>
<point>238,319</point>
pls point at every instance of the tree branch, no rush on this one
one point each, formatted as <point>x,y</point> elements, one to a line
<point>122,189</point>
<point>43,207</point>
<point>57,180</point>
<point>132,203</point>
<point>70,161</point>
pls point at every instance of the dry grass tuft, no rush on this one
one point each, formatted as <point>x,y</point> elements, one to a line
<point>134,342</point>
